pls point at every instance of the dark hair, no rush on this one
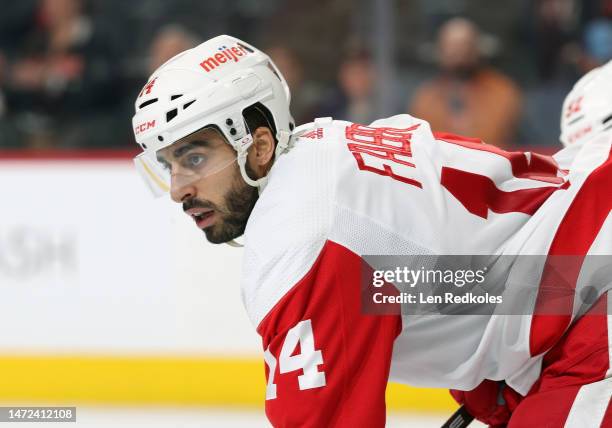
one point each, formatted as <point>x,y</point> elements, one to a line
<point>258,115</point>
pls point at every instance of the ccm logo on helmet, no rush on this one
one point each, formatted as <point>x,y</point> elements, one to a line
<point>226,54</point>
<point>144,127</point>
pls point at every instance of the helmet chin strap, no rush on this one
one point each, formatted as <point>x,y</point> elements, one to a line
<point>283,145</point>
<point>234,243</point>
<point>259,183</point>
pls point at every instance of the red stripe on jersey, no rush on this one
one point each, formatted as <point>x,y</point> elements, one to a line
<point>355,348</point>
<point>579,358</point>
<point>574,237</point>
<point>607,420</point>
<point>532,166</point>
<point>479,194</point>
<point>545,409</point>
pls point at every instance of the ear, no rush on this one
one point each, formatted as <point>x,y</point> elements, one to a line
<point>261,152</point>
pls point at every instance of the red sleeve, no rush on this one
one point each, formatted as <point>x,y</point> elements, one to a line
<point>327,364</point>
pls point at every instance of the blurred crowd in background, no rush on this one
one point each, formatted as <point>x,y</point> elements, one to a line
<point>71,69</point>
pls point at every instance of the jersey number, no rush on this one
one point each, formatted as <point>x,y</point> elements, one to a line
<point>307,360</point>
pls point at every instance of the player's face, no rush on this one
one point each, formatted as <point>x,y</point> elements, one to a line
<point>219,202</point>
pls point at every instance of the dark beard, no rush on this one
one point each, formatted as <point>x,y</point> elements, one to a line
<point>239,203</point>
<point>235,212</point>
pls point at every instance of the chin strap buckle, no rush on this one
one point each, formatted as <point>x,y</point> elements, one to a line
<point>234,243</point>
<point>284,142</point>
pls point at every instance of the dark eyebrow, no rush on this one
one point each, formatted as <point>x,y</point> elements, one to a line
<point>190,146</point>
<point>184,149</point>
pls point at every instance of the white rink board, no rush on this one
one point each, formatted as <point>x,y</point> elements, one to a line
<point>90,263</point>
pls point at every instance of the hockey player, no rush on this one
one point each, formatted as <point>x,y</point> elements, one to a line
<point>312,201</point>
<point>586,130</point>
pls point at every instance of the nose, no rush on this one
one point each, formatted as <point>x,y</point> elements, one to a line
<point>181,188</point>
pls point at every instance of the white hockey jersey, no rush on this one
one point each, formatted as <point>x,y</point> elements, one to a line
<point>395,188</point>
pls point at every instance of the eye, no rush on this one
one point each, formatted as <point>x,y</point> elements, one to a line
<point>195,160</point>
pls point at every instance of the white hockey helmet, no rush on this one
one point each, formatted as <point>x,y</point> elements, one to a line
<point>587,109</point>
<point>209,85</point>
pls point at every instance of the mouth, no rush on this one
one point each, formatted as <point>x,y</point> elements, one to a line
<point>203,217</point>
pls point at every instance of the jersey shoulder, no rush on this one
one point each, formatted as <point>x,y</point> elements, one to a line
<point>288,226</point>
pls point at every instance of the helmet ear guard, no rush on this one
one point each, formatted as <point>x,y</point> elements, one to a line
<point>282,146</point>
<point>243,151</point>
<point>281,139</point>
